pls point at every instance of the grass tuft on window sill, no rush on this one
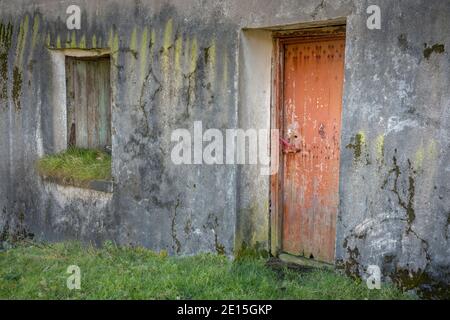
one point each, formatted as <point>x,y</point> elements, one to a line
<point>76,167</point>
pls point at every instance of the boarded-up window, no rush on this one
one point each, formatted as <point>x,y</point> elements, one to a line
<point>88,102</point>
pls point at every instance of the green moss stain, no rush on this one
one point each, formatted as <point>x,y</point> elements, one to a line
<point>210,57</point>
<point>94,41</point>
<point>225,71</point>
<point>21,40</point>
<point>110,38</point>
<point>167,43</point>
<point>17,70</point>
<point>82,44</point>
<point>178,64</point>
<point>432,149</point>
<point>178,53</point>
<point>411,214</point>
<point>407,279</point>
<point>192,49</point>
<point>58,42</point>
<point>406,203</point>
<point>360,140</point>
<point>193,56</point>
<point>113,44</point>
<point>67,41</point>
<point>6,31</point>
<point>35,35</point>
<point>210,61</point>
<point>3,68</point>
<point>133,40</point>
<point>220,248</point>
<point>152,40</point>
<point>424,156</point>
<point>436,48</point>
<point>256,251</point>
<point>17,88</point>
<point>379,148</point>
<point>419,158</point>
<point>143,54</point>
<point>351,265</point>
<point>358,144</point>
<point>73,40</point>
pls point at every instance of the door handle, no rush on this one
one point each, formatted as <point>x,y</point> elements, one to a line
<point>289,147</point>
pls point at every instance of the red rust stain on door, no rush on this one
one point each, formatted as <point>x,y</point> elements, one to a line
<point>312,102</point>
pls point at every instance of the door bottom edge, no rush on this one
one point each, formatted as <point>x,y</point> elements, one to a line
<point>290,258</point>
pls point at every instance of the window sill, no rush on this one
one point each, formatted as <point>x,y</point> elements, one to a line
<point>96,185</point>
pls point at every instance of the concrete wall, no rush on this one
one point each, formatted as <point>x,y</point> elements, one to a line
<point>176,62</point>
<point>169,69</point>
<point>395,177</point>
<point>255,71</point>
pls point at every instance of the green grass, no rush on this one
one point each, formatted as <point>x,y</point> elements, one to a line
<point>39,272</point>
<point>76,166</point>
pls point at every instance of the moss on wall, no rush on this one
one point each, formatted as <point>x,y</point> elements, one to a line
<point>436,48</point>
<point>359,145</point>
<point>17,87</point>
<point>6,31</point>
<point>379,148</point>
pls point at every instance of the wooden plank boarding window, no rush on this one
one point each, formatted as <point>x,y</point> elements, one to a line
<point>88,102</point>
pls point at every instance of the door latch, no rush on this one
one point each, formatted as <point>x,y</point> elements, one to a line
<point>288,147</point>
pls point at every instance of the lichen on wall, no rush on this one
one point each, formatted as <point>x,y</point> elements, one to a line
<point>6,32</point>
<point>437,48</point>
<point>359,145</point>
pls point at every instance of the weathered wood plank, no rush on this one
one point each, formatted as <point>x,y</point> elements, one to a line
<point>104,114</point>
<point>70,93</point>
<point>88,102</point>
<point>81,113</point>
<point>92,102</point>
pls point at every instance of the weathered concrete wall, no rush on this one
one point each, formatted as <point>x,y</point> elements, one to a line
<point>395,179</point>
<point>176,62</point>
<point>70,213</point>
<point>5,47</point>
<point>255,73</point>
<point>170,68</point>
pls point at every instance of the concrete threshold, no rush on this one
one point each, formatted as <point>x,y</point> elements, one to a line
<point>287,258</point>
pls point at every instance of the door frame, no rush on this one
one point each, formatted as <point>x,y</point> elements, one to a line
<point>281,38</point>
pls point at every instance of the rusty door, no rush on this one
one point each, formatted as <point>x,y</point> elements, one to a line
<point>312,102</point>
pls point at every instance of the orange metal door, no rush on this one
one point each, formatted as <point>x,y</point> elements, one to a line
<point>312,101</point>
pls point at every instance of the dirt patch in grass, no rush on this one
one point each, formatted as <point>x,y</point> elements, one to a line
<point>76,167</point>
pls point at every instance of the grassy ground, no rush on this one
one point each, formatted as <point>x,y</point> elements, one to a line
<point>39,272</point>
<point>76,166</point>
